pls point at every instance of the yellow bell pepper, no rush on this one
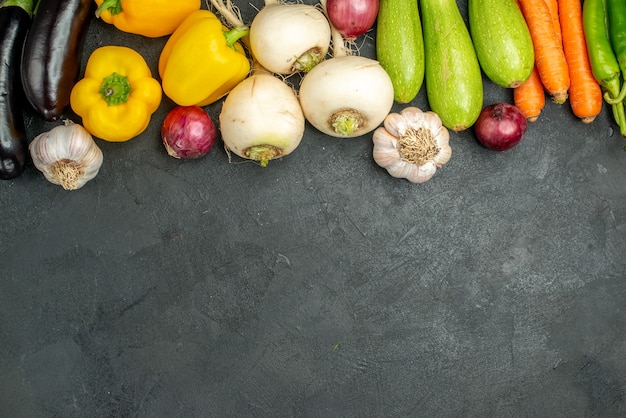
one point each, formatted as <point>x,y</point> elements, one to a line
<point>202,60</point>
<point>150,18</point>
<point>117,96</point>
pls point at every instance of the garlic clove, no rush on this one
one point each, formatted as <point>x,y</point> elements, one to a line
<point>394,123</point>
<point>400,169</point>
<point>414,116</point>
<point>385,147</point>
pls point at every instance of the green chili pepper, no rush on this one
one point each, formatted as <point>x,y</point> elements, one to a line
<point>604,64</point>
<point>616,14</point>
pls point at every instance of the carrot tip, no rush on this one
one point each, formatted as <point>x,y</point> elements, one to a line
<point>532,118</point>
<point>588,119</point>
<point>559,98</point>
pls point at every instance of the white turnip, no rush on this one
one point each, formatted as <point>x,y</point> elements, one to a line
<point>289,38</point>
<point>261,119</point>
<point>347,95</point>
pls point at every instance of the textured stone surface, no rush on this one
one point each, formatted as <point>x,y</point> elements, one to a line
<point>319,285</point>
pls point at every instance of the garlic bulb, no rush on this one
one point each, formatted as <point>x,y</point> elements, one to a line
<point>67,155</point>
<point>412,144</point>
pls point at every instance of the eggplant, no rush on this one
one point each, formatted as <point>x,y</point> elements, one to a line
<point>52,54</point>
<point>14,24</point>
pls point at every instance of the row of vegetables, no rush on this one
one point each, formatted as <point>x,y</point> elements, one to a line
<point>575,51</point>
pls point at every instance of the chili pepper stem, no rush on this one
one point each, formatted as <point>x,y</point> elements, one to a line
<point>620,117</point>
<point>612,99</point>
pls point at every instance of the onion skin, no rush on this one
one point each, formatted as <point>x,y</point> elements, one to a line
<point>188,132</point>
<point>500,126</point>
<point>352,18</point>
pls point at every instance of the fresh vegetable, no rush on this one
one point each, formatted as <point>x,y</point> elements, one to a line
<point>412,144</point>
<point>502,41</point>
<point>530,97</point>
<point>500,126</point>
<point>400,47</point>
<point>188,132</point>
<point>353,18</point>
<point>52,54</point>
<point>150,18</point>
<point>604,64</point>
<point>202,60</point>
<point>117,95</point>
<point>15,18</point>
<point>553,7</point>
<point>585,94</point>
<point>289,38</point>
<point>67,155</point>
<point>261,119</point>
<point>549,55</point>
<point>616,15</point>
<point>347,95</point>
<point>453,77</point>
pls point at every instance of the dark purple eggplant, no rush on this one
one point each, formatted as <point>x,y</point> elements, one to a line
<point>14,23</point>
<point>52,54</point>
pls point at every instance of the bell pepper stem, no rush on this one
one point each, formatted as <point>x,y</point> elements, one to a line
<point>235,34</point>
<point>115,89</point>
<point>113,6</point>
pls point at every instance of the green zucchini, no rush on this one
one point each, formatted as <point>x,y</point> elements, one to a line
<point>454,83</point>
<point>502,41</point>
<point>400,46</point>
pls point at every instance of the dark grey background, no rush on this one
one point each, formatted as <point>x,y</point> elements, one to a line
<point>320,286</point>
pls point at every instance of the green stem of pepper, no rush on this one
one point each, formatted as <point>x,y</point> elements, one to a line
<point>620,117</point>
<point>235,34</point>
<point>113,6</point>
<point>620,98</point>
<point>115,89</point>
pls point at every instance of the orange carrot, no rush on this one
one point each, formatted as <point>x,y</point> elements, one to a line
<point>554,14</point>
<point>549,54</point>
<point>530,97</point>
<point>585,94</point>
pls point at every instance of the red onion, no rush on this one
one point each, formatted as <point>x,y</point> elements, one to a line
<point>500,126</point>
<point>188,132</point>
<point>352,18</point>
